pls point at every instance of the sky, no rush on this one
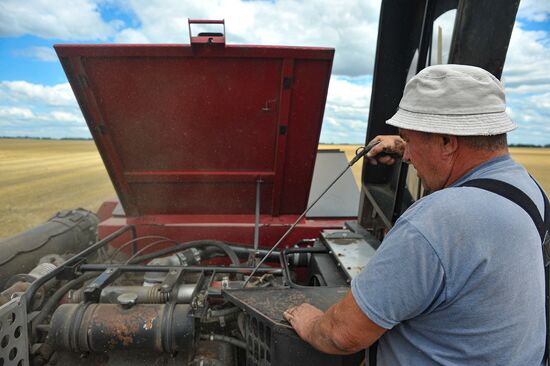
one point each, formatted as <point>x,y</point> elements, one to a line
<point>36,99</point>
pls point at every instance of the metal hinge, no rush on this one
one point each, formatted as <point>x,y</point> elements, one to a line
<point>287,82</point>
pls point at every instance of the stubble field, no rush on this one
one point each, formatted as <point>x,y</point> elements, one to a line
<point>41,177</point>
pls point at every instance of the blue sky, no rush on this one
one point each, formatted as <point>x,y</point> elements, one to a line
<point>36,100</point>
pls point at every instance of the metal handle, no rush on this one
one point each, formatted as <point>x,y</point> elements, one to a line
<point>207,38</point>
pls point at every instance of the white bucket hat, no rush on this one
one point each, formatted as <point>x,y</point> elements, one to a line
<point>456,100</point>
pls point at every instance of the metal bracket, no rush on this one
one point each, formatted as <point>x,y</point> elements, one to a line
<point>13,333</point>
<point>342,234</point>
<point>92,292</point>
<point>68,272</point>
<point>171,279</point>
<point>351,251</point>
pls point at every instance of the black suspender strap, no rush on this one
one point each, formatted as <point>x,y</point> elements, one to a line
<point>515,195</point>
<point>543,226</point>
<point>546,241</point>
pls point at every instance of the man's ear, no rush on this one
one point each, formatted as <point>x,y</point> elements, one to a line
<point>449,144</point>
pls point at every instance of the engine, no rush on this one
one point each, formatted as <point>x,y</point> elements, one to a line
<point>183,304</point>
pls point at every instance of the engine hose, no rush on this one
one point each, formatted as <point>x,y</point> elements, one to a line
<point>218,337</point>
<point>244,252</point>
<point>57,296</point>
<point>191,244</point>
<point>223,312</point>
<point>215,316</point>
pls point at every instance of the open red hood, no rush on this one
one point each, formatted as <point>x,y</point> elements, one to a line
<point>190,129</point>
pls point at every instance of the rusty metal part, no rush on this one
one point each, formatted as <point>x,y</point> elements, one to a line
<point>7,294</point>
<point>17,284</point>
<point>104,327</point>
<point>213,353</point>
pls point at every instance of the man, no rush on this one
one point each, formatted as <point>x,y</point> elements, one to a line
<point>459,279</point>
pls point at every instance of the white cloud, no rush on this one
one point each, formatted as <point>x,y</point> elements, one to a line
<point>23,91</point>
<point>531,114</point>
<point>55,19</point>
<point>39,53</point>
<point>351,26</point>
<point>534,10</point>
<point>16,112</point>
<point>527,62</point>
<point>24,115</point>
<point>347,110</point>
<point>527,83</point>
<point>40,111</point>
<point>62,116</point>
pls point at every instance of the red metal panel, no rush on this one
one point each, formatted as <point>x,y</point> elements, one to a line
<point>96,123</point>
<point>303,134</point>
<point>190,129</point>
<point>287,77</point>
<point>229,229</point>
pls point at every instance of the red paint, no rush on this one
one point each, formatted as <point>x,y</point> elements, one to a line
<point>189,129</point>
<point>186,131</point>
<point>232,229</point>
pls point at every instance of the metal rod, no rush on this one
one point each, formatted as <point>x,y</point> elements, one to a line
<point>134,244</point>
<point>257,224</point>
<point>141,268</point>
<point>360,152</point>
<point>439,45</point>
<point>426,35</point>
<point>29,294</point>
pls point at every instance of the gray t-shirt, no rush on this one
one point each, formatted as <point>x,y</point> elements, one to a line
<point>459,279</point>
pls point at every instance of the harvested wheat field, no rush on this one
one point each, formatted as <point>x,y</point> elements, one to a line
<point>40,177</point>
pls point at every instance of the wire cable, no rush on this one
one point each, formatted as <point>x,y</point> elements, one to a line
<point>113,255</point>
<point>360,152</point>
<point>149,246</point>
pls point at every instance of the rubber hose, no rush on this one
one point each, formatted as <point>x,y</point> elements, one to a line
<point>191,244</point>
<point>223,312</point>
<point>57,296</point>
<point>244,252</point>
<point>218,337</point>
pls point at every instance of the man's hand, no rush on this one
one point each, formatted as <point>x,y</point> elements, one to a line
<point>302,318</point>
<point>389,144</point>
<point>342,330</point>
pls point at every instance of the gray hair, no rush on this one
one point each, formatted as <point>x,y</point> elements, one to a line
<point>485,143</point>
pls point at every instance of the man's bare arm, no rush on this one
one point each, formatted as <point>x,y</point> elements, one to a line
<point>343,329</point>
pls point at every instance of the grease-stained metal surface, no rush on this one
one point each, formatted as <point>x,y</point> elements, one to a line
<point>270,303</point>
<point>106,327</point>
<point>352,251</point>
<point>126,327</point>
